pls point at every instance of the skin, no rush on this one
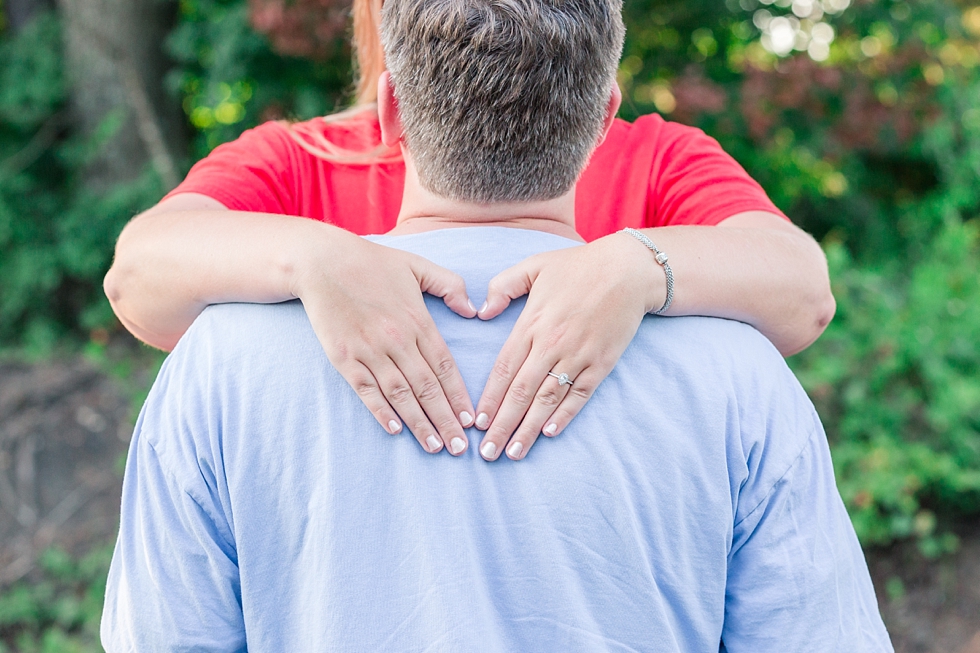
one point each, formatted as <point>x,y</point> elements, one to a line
<point>365,300</point>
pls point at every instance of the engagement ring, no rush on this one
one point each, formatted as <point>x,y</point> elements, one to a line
<point>562,378</point>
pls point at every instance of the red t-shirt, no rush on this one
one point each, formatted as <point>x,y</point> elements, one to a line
<point>649,173</point>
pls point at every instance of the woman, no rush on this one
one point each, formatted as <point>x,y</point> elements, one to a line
<point>229,233</point>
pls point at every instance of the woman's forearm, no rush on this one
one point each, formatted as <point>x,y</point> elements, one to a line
<point>754,267</point>
<point>174,260</point>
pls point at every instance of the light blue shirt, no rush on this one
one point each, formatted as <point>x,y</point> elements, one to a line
<point>692,502</point>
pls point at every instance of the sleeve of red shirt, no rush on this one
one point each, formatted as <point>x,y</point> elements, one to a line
<point>252,173</point>
<point>695,182</point>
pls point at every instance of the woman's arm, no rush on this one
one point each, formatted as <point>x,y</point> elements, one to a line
<point>759,269</point>
<point>189,251</point>
<point>364,301</point>
<point>585,303</point>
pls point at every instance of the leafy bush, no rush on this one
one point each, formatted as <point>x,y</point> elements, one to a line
<point>56,238</point>
<point>894,378</point>
<point>230,79</point>
<point>59,612</point>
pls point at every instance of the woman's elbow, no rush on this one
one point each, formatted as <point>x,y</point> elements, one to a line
<point>816,314</point>
<point>120,275</point>
<point>112,287</point>
<point>826,308</point>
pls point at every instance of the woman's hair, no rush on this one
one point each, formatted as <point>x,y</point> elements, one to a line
<point>369,63</point>
<point>501,100</point>
<point>369,57</point>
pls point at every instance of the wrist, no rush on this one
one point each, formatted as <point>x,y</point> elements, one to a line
<point>647,271</point>
<point>315,249</point>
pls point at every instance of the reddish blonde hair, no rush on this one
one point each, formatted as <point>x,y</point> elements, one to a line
<point>369,63</point>
<point>369,56</point>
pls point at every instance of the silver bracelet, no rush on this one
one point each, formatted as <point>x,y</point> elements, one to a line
<point>662,260</point>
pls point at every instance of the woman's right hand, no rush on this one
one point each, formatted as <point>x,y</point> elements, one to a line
<point>365,303</point>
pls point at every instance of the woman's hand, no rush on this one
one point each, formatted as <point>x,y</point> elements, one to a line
<point>363,300</point>
<point>585,304</point>
<point>365,303</point>
<point>583,308</point>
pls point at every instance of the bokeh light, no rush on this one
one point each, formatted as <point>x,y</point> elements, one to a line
<point>803,29</point>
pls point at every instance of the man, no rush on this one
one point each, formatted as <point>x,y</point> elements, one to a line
<point>691,506</point>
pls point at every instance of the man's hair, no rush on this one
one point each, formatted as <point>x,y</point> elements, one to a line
<point>501,100</point>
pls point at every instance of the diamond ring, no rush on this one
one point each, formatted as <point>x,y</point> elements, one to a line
<point>562,378</point>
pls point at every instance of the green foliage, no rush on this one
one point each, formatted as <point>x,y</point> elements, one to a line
<point>56,237</point>
<point>839,143</point>
<point>894,378</point>
<point>60,610</point>
<point>230,79</point>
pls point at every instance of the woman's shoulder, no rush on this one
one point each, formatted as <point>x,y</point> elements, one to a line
<point>322,140</point>
<point>349,131</point>
<point>649,131</point>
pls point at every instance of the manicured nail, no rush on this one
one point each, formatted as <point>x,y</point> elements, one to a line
<point>482,421</point>
<point>394,427</point>
<point>514,450</point>
<point>485,304</point>
<point>433,443</point>
<point>465,419</point>
<point>489,450</point>
<point>551,429</point>
<point>456,445</point>
<point>472,307</point>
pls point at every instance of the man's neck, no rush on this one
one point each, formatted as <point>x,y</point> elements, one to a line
<point>424,211</point>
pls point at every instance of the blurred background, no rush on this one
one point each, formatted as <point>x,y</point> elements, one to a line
<point>861,118</point>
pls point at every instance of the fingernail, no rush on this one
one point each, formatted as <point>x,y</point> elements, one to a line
<point>394,427</point>
<point>482,421</point>
<point>433,443</point>
<point>551,429</point>
<point>485,304</point>
<point>472,307</point>
<point>514,450</point>
<point>465,418</point>
<point>489,450</point>
<point>457,445</point>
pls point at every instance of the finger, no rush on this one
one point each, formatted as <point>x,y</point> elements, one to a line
<point>517,400</point>
<point>365,384</point>
<point>429,394</point>
<point>509,361</point>
<point>400,394</point>
<point>582,389</point>
<point>549,397</point>
<point>514,282</point>
<point>440,360</point>
<point>440,282</point>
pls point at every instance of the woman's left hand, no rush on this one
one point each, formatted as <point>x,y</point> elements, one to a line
<point>583,308</point>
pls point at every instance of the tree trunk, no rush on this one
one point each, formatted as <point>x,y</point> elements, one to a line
<point>115,62</point>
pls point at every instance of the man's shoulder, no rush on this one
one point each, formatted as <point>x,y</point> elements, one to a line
<point>709,343</point>
<point>230,357</point>
<point>245,325</point>
<point>731,367</point>
<point>234,350</point>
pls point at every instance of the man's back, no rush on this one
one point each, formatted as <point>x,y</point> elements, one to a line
<point>691,501</point>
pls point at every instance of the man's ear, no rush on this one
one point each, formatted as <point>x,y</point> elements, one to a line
<point>391,121</point>
<point>615,99</point>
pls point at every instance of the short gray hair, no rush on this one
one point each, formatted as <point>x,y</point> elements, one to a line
<point>502,100</point>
